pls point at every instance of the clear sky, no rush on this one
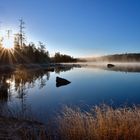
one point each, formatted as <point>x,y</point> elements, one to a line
<point>77,27</point>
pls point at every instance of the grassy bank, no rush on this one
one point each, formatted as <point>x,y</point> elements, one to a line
<point>101,123</point>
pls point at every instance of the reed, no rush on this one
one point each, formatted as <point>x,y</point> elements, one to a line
<point>100,123</point>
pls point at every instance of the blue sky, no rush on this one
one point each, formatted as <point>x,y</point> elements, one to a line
<point>77,27</point>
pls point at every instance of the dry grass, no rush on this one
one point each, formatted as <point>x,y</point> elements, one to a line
<point>101,123</point>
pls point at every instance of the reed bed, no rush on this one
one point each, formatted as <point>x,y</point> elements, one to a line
<point>100,123</point>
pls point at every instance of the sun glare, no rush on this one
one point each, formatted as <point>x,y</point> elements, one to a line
<point>8,43</point>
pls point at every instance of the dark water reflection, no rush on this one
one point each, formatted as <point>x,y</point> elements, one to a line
<point>90,85</point>
<point>24,79</point>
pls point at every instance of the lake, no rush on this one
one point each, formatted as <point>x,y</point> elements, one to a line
<point>91,84</point>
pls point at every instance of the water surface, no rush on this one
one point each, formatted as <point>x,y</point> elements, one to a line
<point>91,84</point>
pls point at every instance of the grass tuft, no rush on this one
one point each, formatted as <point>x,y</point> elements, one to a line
<point>101,123</point>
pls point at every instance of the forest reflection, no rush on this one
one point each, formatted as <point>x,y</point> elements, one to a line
<point>19,81</point>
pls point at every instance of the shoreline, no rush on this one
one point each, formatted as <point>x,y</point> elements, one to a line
<point>48,67</point>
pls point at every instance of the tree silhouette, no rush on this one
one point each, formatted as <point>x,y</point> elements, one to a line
<point>59,58</point>
<point>23,53</point>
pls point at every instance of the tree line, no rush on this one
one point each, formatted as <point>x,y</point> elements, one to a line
<point>59,58</point>
<point>127,57</point>
<point>23,53</point>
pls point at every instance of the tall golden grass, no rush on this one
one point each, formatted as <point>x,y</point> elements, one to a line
<point>101,123</point>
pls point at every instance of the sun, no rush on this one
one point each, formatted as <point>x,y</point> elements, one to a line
<point>7,38</point>
<point>8,43</point>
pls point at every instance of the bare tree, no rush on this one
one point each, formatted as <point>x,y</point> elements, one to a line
<point>21,32</point>
<point>8,33</point>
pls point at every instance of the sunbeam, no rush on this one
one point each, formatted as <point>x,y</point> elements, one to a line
<point>7,55</point>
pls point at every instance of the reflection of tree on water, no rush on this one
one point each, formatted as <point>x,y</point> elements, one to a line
<point>4,90</point>
<point>65,67</point>
<point>25,80</point>
<point>19,82</point>
<point>4,87</point>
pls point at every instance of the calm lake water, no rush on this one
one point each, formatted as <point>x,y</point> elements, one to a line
<point>91,84</point>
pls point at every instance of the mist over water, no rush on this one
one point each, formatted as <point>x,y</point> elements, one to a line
<point>118,66</point>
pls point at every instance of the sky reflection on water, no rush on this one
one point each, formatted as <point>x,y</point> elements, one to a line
<point>89,86</point>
